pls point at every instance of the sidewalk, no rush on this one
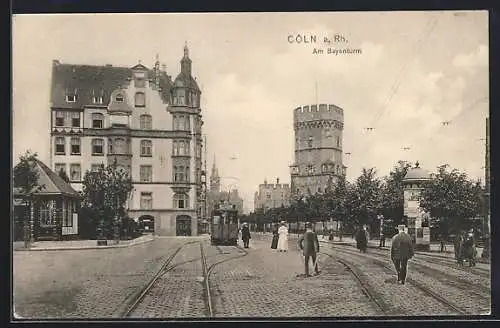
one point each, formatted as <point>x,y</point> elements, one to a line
<point>79,244</point>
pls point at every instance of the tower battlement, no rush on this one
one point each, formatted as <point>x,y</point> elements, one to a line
<point>318,112</point>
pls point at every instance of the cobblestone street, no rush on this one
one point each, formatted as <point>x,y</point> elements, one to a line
<point>254,282</point>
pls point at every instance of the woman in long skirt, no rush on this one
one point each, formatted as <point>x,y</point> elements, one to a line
<point>274,243</point>
<point>283,237</point>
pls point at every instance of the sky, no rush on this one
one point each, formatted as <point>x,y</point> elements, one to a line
<point>415,71</point>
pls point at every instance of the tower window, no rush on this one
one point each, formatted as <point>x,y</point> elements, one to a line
<point>146,148</point>
<point>146,201</point>
<point>146,173</point>
<point>145,122</point>
<point>60,145</point>
<point>310,142</point>
<point>140,99</point>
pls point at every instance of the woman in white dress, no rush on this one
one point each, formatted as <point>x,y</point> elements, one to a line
<point>283,237</point>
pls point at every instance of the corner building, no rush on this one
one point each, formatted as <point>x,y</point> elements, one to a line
<point>150,125</point>
<point>318,148</point>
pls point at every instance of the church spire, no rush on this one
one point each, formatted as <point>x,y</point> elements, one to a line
<point>185,61</point>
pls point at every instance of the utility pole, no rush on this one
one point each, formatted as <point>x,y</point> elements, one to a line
<point>205,205</point>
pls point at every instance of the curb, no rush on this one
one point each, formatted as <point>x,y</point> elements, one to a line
<point>83,247</point>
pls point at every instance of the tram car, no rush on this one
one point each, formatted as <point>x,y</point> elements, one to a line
<point>224,226</point>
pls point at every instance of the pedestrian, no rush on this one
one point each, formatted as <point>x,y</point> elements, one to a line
<point>309,245</point>
<point>361,239</point>
<point>401,252</point>
<point>283,237</point>
<point>468,249</point>
<point>457,247</point>
<point>274,243</point>
<point>245,235</point>
<point>382,239</point>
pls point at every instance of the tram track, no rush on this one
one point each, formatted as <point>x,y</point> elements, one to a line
<point>366,288</point>
<point>443,261</point>
<point>167,267</point>
<point>460,285</point>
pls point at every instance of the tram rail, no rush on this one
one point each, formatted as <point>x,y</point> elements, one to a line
<point>421,286</point>
<point>167,266</point>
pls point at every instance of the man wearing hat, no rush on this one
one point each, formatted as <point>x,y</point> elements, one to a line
<point>401,252</point>
<point>283,237</point>
<point>245,235</point>
<point>309,245</point>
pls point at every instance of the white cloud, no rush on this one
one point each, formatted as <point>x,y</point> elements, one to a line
<point>475,59</point>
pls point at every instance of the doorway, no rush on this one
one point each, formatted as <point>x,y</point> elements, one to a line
<point>183,225</point>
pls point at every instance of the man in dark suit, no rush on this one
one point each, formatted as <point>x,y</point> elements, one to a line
<point>401,252</point>
<point>309,245</point>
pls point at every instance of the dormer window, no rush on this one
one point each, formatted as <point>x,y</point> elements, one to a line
<point>71,98</point>
<point>140,80</point>
<point>119,98</point>
<point>97,100</point>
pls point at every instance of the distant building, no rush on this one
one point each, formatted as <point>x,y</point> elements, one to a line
<point>318,148</point>
<point>272,195</point>
<point>215,195</point>
<point>147,122</point>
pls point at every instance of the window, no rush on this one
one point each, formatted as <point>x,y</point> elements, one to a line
<point>146,201</point>
<point>146,173</point>
<point>75,146</point>
<point>187,124</point>
<point>97,99</point>
<point>76,172</point>
<point>338,141</point>
<point>119,146</point>
<point>181,201</point>
<point>146,148</point>
<point>59,166</point>
<point>71,98</point>
<point>179,98</point>
<point>68,209</point>
<point>181,148</point>
<point>146,122</point>
<point>60,145</point>
<point>119,98</point>
<point>45,214</point>
<point>75,120</point>
<point>179,174</point>
<point>95,167</point>
<point>140,82</point>
<point>310,142</point>
<point>98,147</point>
<point>140,99</point>
<point>59,118</point>
<point>97,120</point>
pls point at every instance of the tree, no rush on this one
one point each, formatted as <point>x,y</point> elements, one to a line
<point>26,180</point>
<point>452,199</point>
<point>366,197</point>
<point>393,196</point>
<point>105,193</point>
<point>63,175</point>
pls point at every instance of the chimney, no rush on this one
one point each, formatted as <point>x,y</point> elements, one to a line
<point>277,181</point>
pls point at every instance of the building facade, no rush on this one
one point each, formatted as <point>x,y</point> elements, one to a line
<point>272,195</point>
<point>318,148</point>
<point>215,195</point>
<point>148,123</point>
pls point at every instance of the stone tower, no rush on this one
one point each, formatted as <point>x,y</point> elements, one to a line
<point>214,178</point>
<point>318,148</point>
